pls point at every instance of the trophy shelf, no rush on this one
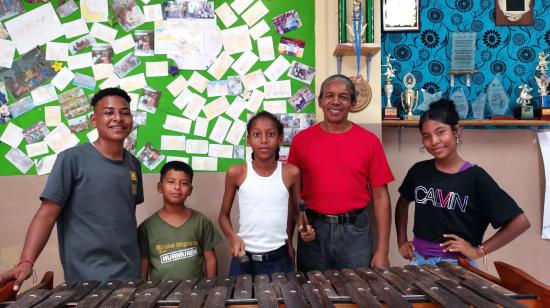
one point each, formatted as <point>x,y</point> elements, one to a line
<point>485,122</point>
<point>348,49</point>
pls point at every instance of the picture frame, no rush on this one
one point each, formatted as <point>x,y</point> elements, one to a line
<point>400,16</point>
<point>513,12</point>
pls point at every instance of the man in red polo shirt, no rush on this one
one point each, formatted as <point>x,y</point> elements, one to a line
<point>343,168</point>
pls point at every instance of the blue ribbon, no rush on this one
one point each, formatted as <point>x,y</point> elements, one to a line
<point>357,34</point>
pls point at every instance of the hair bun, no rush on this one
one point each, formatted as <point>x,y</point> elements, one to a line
<point>443,110</point>
<point>443,104</point>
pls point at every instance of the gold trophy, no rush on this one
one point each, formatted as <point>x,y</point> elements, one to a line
<point>409,98</point>
<point>390,112</point>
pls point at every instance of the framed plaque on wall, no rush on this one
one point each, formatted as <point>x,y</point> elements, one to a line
<point>400,16</point>
<point>513,12</point>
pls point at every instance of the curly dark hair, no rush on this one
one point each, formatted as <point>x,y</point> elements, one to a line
<point>110,92</point>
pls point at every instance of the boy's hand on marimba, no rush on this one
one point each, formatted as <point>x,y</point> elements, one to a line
<point>380,259</point>
<point>458,244</point>
<point>237,247</point>
<point>307,233</point>
<point>407,250</point>
<point>20,273</point>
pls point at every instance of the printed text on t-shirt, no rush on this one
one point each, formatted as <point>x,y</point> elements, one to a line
<point>162,248</point>
<point>178,255</point>
<point>450,201</point>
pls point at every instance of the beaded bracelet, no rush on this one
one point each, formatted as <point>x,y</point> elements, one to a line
<point>481,248</point>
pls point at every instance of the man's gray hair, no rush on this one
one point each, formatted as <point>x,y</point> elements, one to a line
<point>343,78</point>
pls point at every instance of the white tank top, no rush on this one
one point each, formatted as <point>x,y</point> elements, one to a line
<point>263,210</point>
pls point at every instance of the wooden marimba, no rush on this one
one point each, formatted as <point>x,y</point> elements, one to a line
<point>444,285</point>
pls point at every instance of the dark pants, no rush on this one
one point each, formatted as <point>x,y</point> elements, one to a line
<point>281,264</point>
<point>336,246</point>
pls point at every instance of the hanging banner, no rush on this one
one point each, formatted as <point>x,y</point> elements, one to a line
<point>544,142</point>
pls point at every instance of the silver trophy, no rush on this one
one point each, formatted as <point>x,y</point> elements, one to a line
<point>388,85</point>
<point>390,112</point>
<point>524,101</point>
<point>409,98</point>
<point>388,89</point>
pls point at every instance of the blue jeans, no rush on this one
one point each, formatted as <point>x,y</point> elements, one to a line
<point>336,246</point>
<point>282,264</point>
<point>420,260</point>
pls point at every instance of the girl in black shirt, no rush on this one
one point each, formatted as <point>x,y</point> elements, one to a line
<point>455,200</point>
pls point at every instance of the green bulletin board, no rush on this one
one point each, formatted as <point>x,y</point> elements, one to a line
<point>153,129</point>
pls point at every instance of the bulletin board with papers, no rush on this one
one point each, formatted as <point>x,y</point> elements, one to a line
<point>195,70</point>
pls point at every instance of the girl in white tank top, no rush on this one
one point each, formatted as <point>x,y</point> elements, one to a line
<point>268,193</point>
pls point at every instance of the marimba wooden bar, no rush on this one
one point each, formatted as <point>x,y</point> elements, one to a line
<point>444,285</point>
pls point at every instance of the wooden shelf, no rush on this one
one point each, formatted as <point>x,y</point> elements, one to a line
<point>485,122</point>
<point>348,49</point>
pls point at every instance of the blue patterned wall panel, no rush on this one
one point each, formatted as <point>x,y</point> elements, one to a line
<point>509,50</point>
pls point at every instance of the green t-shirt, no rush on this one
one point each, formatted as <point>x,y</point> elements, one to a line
<point>177,253</point>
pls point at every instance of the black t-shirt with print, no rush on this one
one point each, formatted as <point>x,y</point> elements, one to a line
<point>463,203</point>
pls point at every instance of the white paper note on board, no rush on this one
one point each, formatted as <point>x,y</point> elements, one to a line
<point>22,29</point>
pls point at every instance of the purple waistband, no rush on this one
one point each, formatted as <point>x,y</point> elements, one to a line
<point>431,249</point>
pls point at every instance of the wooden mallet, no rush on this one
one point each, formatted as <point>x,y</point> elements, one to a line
<point>303,216</point>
